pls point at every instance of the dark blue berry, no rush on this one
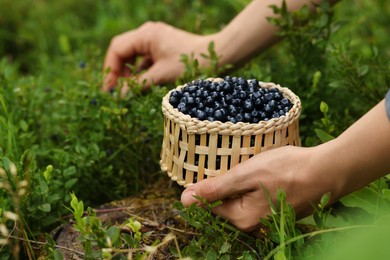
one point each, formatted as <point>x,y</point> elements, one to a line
<point>242,82</point>
<point>232,110</point>
<point>278,96</point>
<point>205,94</point>
<point>228,98</point>
<point>193,111</point>
<point>214,95</point>
<point>212,86</point>
<point>272,104</point>
<point>219,114</point>
<point>201,115</point>
<point>228,79</point>
<point>82,64</point>
<point>182,107</point>
<point>191,89</point>
<point>269,96</point>
<point>248,105</point>
<point>190,101</point>
<point>285,102</point>
<point>236,102</point>
<point>258,103</point>
<point>242,94</point>
<point>263,115</point>
<point>209,111</point>
<point>247,117</point>
<point>268,109</point>
<point>174,101</point>
<point>177,94</point>
<point>209,101</point>
<point>227,88</point>
<point>281,112</point>
<point>205,83</point>
<point>255,82</point>
<point>255,120</point>
<point>239,117</point>
<point>255,114</point>
<point>257,94</point>
<point>217,105</point>
<point>232,119</point>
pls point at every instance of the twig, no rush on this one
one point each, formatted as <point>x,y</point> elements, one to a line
<point>44,243</point>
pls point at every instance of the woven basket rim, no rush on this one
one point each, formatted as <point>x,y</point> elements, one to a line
<point>195,126</point>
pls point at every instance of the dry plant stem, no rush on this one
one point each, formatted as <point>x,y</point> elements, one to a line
<point>43,243</point>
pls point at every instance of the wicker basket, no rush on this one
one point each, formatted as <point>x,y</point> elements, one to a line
<point>193,150</point>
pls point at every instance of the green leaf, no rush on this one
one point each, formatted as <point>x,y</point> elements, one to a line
<point>6,164</point>
<point>178,205</point>
<point>324,137</point>
<point>47,173</point>
<point>386,194</point>
<point>336,84</point>
<point>367,199</point>
<point>280,195</point>
<point>215,204</point>
<point>69,171</point>
<point>130,241</point>
<point>69,183</point>
<point>325,199</point>
<point>113,233</point>
<point>57,255</point>
<point>225,248</point>
<point>211,254</point>
<point>324,108</point>
<point>280,256</point>
<point>363,70</point>
<point>23,125</point>
<point>45,207</point>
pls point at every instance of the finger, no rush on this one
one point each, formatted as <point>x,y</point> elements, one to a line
<point>156,74</point>
<point>124,47</point>
<point>228,185</point>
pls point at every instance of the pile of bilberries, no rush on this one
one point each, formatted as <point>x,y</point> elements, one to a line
<point>234,99</point>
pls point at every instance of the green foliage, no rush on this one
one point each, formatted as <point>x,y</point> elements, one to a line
<point>64,136</point>
<point>216,239</point>
<point>106,241</point>
<point>194,71</point>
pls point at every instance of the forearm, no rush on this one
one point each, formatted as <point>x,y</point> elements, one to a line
<point>361,154</point>
<point>250,33</point>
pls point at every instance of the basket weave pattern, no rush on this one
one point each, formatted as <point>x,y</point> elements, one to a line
<point>193,150</point>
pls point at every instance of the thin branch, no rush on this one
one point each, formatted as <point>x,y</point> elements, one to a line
<point>44,243</point>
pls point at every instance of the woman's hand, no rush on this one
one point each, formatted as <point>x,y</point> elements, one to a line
<point>357,157</point>
<point>155,49</point>
<point>243,199</point>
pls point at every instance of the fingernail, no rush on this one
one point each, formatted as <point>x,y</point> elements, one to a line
<point>187,197</point>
